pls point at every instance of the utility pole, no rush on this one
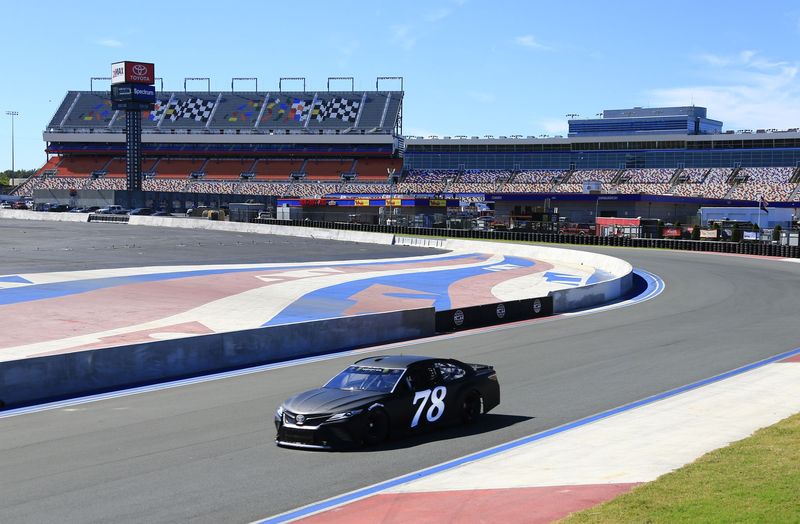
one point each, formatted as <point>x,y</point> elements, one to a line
<point>12,114</point>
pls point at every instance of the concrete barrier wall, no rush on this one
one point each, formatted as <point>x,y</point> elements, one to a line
<point>22,214</point>
<point>265,229</point>
<point>37,379</point>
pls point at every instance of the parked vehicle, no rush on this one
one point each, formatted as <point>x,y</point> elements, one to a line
<point>112,210</point>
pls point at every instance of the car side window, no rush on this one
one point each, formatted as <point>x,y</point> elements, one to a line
<point>420,378</point>
<point>449,372</point>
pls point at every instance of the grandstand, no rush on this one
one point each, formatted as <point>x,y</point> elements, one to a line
<point>348,142</point>
<point>224,142</point>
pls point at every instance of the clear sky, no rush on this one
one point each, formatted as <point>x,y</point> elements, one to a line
<point>470,67</point>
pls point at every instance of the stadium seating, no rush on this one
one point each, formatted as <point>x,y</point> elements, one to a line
<point>178,168</point>
<point>323,178</point>
<point>376,169</point>
<point>218,169</point>
<point>276,169</point>
<point>238,112</point>
<point>327,169</point>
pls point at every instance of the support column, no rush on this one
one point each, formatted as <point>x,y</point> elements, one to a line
<point>133,141</point>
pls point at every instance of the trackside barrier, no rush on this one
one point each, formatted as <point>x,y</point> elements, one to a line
<point>385,233</point>
<point>352,235</point>
<point>492,314</point>
<point>772,250</point>
<point>33,380</point>
<point>22,214</point>
<point>119,219</point>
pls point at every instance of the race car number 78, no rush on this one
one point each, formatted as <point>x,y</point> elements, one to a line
<point>436,409</point>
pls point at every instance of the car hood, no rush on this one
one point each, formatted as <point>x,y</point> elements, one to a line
<point>324,400</point>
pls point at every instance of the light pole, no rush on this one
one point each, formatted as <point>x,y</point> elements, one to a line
<point>12,114</point>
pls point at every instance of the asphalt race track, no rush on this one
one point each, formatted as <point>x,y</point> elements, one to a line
<point>205,452</point>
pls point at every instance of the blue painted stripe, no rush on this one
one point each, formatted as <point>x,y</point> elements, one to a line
<point>382,486</point>
<point>434,284</point>
<point>72,287</point>
<point>15,279</point>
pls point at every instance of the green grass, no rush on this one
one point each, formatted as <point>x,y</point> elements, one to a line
<point>755,480</point>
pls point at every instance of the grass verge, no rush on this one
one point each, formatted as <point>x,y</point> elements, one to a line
<point>753,480</point>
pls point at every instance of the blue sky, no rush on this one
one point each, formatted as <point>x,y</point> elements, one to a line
<point>470,67</point>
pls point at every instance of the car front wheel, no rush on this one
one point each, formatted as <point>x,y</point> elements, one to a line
<point>377,427</point>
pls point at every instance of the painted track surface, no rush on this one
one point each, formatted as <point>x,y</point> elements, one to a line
<point>205,451</point>
<point>112,306</point>
<point>78,310</point>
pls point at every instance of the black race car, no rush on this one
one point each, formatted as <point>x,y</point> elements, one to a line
<point>386,395</point>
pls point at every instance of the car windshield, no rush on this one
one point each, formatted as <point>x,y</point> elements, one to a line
<point>363,378</point>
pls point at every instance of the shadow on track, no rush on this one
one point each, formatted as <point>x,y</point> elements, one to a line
<point>485,424</point>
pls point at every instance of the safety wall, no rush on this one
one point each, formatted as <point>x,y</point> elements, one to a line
<point>265,229</point>
<point>38,379</point>
<point>22,214</point>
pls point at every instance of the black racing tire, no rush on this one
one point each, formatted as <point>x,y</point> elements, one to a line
<point>377,427</point>
<point>471,407</point>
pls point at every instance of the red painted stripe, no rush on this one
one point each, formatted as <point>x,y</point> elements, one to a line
<point>473,291</point>
<point>795,358</point>
<point>512,505</point>
<point>133,304</point>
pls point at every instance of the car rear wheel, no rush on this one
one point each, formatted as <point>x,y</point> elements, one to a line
<point>472,407</point>
<point>377,427</point>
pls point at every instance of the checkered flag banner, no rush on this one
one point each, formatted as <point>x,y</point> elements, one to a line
<point>195,108</point>
<point>340,108</point>
<point>314,110</point>
<point>160,108</point>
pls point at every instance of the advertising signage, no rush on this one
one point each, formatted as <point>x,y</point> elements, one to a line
<point>133,73</point>
<point>133,93</point>
<point>132,97</point>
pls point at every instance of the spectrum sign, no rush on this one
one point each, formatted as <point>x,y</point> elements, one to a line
<point>133,73</point>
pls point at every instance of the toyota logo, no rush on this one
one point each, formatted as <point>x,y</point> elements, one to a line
<point>501,311</point>
<point>139,70</point>
<point>300,419</point>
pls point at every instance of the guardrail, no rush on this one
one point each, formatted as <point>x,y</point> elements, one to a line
<point>744,248</point>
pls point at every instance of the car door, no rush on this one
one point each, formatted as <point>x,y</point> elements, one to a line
<point>456,380</point>
<point>428,396</point>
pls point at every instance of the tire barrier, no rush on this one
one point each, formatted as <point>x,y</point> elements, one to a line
<point>491,314</point>
<point>744,248</point>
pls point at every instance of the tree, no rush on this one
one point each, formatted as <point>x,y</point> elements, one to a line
<point>776,233</point>
<point>737,233</point>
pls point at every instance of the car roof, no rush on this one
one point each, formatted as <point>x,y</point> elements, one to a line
<point>392,361</point>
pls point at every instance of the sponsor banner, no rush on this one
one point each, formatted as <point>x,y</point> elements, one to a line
<point>750,235</point>
<point>360,202</point>
<point>394,202</point>
<point>437,203</point>
<point>709,233</point>
<point>671,232</point>
<point>313,202</point>
<point>133,73</point>
<point>491,314</point>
